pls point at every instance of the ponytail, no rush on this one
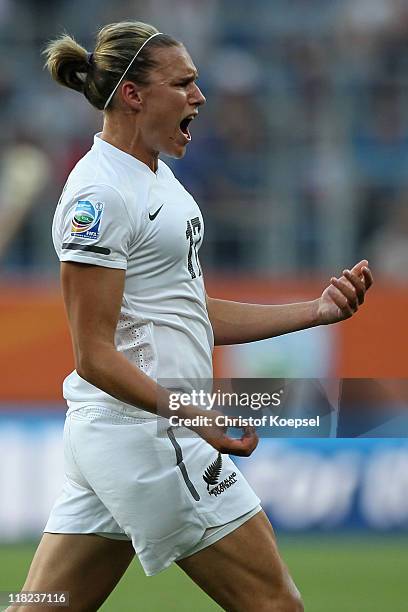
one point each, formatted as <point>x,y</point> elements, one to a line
<point>97,74</point>
<point>67,62</point>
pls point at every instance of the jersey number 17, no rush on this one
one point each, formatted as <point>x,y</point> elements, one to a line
<point>193,236</point>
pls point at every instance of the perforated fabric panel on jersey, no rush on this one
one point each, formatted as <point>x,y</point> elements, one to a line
<point>135,341</point>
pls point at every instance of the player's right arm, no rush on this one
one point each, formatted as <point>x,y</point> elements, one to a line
<point>93,297</point>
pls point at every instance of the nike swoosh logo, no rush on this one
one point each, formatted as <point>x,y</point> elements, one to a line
<point>152,216</point>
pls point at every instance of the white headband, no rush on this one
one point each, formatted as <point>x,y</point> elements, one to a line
<point>131,62</point>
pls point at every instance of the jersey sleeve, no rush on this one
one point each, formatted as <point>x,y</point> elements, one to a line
<point>95,228</point>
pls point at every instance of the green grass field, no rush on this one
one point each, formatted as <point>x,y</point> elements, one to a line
<point>334,573</point>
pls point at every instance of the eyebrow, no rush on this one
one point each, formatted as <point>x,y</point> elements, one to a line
<point>192,75</point>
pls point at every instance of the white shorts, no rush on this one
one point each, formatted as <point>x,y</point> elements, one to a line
<point>162,491</point>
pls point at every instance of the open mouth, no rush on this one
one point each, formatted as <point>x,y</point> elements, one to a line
<point>184,125</point>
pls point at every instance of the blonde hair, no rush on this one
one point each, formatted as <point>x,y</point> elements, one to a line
<point>96,75</point>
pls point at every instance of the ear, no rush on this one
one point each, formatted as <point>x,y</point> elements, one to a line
<point>132,95</point>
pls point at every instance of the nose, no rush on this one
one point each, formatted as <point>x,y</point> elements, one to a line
<point>197,98</point>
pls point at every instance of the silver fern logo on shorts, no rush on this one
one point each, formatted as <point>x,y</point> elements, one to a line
<point>212,473</point>
<point>211,477</point>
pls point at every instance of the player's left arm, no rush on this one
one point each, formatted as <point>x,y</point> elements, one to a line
<point>236,323</point>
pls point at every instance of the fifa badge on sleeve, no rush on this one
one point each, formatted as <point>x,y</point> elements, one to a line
<point>86,220</point>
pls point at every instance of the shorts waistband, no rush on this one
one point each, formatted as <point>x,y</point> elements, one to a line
<point>119,407</point>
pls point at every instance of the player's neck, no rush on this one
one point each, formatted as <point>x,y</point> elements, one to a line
<point>129,140</point>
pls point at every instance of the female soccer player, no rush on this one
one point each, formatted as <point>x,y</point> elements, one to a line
<point>127,234</point>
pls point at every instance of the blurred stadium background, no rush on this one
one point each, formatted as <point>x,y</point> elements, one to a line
<point>299,162</point>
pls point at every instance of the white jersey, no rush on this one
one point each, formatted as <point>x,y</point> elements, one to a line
<point>115,212</point>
